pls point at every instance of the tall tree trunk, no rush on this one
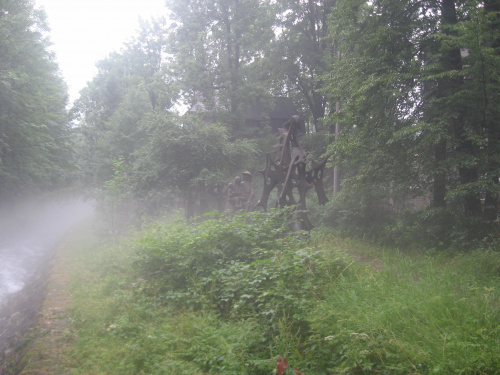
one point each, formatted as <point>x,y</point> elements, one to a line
<point>447,87</point>
<point>439,190</point>
<point>493,124</point>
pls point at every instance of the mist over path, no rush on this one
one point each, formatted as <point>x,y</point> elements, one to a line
<point>28,236</point>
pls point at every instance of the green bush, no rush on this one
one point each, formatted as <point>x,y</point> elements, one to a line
<point>441,228</point>
<point>243,266</point>
<point>354,214</point>
<point>179,260</point>
<point>369,216</point>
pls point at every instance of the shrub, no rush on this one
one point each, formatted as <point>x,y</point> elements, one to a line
<point>246,266</point>
<point>353,214</point>
<point>179,258</point>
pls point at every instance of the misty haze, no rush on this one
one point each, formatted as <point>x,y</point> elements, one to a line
<point>249,187</point>
<point>28,237</point>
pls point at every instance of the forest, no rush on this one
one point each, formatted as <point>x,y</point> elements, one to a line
<point>400,272</point>
<point>401,96</point>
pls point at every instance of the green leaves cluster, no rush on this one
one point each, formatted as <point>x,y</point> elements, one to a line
<point>299,57</point>
<point>218,59</point>
<point>241,267</point>
<point>218,49</point>
<point>399,313</point>
<point>417,82</point>
<point>128,86</point>
<point>128,114</point>
<point>35,147</point>
<point>194,156</point>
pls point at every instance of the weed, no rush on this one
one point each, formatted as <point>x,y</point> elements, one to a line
<point>232,296</point>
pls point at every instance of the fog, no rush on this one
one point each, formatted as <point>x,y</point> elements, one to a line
<point>29,232</point>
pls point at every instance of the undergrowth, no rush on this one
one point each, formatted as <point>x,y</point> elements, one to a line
<point>235,295</point>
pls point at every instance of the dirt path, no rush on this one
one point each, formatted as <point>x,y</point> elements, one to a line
<point>42,350</point>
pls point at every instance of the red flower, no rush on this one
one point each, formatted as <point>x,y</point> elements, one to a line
<point>281,366</point>
<point>297,371</point>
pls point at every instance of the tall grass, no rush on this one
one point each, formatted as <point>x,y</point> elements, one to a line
<point>419,314</point>
<point>231,296</point>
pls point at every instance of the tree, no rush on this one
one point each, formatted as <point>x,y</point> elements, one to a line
<point>414,106</point>
<point>463,84</point>
<point>190,158</point>
<point>375,82</point>
<point>487,57</point>
<point>35,148</point>
<point>128,85</point>
<point>298,58</point>
<point>216,47</point>
<point>127,120</point>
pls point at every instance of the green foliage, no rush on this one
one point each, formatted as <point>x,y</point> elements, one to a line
<point>440,228</point>
<point>415,88</point>
<point>346,306</point>
<point>366,218</point>
<point>369,218</point>
<point>188,156</point>
<point>128,87</point>
<point>298,57</point>
<point>242,266</point>
<point>416,83</point>
<point>35,145</point>
<point>114,201</point>
<point>124,115</point>
<point>418,315</point>
<point>217,50</point>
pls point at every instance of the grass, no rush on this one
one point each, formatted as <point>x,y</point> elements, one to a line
<point>419,314</point>
<point>369,310</point>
